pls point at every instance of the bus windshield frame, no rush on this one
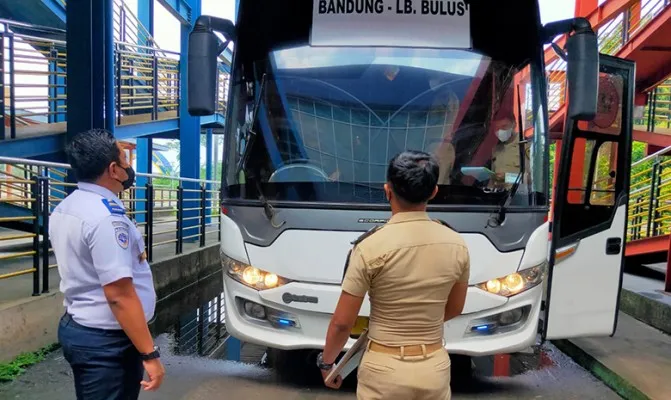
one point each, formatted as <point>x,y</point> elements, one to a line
<point>320,109</point>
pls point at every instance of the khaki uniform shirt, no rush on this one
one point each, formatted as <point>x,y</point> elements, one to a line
<point>506,160</point>
<point>408,268</point>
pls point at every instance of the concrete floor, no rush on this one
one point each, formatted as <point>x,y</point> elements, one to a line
<point>638,354</point>
<point>546,373</point>
<point>196,378</point>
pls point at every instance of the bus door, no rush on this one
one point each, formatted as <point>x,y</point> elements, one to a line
<point>590,212</point>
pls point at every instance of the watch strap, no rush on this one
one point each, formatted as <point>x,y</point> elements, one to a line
<point>151,356</point>
<point>321,364</point>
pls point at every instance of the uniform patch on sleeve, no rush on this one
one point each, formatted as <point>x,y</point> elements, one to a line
<point>114,208</point>
<point>122,237</point>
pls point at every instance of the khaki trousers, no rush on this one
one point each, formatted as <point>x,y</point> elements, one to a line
<point>390,377</point>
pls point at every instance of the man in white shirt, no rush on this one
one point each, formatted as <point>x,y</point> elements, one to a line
<point>105,278</point>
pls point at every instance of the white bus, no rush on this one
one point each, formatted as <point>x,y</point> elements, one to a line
<point>324,92</point>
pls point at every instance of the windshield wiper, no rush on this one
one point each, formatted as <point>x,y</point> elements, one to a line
<point>501,215</point>
<point>250,137</point>
<point>250,134</point>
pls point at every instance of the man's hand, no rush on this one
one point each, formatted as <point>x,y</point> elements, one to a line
<point>337,382</point>
<point>155,372</point>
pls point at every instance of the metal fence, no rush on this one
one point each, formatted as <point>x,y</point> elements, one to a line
<point>170,212</point>
<point>33,71</point>
<point>650,197</point>
<point>204,332</point>
<point>614,32</point>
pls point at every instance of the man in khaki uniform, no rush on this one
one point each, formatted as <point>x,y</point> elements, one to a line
<point>415,271</point>
<point>506,154</point>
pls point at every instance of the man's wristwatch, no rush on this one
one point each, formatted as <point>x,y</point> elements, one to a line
<point>321,364</point>
<point>151,356</point>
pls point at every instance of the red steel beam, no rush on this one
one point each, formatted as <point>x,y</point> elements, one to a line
<point>655,139</point>
<point>639,38</point>
<point>655,244</point>
<point>584,7</point>
<point>597,18</point>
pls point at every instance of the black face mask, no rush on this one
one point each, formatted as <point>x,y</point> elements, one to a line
<point>131,178</point>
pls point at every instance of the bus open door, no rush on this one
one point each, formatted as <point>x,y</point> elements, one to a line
<point>590,212</point>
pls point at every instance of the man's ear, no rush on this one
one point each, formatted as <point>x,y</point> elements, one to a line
<point>435,192</point>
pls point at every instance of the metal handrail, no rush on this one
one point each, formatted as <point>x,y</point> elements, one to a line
<point>650,197</point>
<point>142,205</point>
<point>614,31</point>
<point>38,163</point>
<point>4,21</point>
<point>147,78</point>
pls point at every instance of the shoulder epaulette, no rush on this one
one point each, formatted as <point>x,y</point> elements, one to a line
<point>440,221</point>
<point>113,207</point>
<point>366,234</point>
<point>357,241</point>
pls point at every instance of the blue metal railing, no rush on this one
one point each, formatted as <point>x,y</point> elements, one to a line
<point>32,189</point>
<point>33,70</point>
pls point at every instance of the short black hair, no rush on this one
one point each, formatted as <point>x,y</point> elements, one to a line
<point>413,176</point>
<point>91,152</point>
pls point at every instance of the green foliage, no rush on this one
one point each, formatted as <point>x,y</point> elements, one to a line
<point>9,371</point>
<point>603,164</point>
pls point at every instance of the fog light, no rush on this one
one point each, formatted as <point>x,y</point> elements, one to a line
<point>505,321</point>
<point>255,310</point>
<point>510,317</point>
<point>281,319</point>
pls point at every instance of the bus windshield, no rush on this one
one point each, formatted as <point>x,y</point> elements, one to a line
<point>320,124</point>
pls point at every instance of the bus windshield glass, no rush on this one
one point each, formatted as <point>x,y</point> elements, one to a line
<point>330,119</point>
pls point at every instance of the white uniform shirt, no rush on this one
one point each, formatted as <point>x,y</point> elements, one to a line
<point>95,244</point>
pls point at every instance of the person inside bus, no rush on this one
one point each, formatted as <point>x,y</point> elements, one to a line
<point>415,271</point>
<point>505,162</point>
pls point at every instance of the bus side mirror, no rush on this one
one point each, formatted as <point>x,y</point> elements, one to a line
<point>202,73</point>
<point>203,53</point>
<point>582,74</point>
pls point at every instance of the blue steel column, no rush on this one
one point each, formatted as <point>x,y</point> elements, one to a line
<point>145,14</point>
<point>208,173</point>
<point>90,59</point>
<point>189,136</point>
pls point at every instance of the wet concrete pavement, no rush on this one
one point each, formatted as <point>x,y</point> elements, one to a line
<point>548,376</point>
<point>195,352</point>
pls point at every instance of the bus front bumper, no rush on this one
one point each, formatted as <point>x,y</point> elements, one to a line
<point>294,326</point>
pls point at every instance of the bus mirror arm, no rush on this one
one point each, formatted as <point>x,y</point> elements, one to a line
<point>556,28</point>
<point>582,65</point>
<point>203,71</point>
<point>214,24</point>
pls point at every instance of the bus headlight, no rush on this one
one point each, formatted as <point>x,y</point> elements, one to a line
<point>515,283</point>
<point>251,276</point>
